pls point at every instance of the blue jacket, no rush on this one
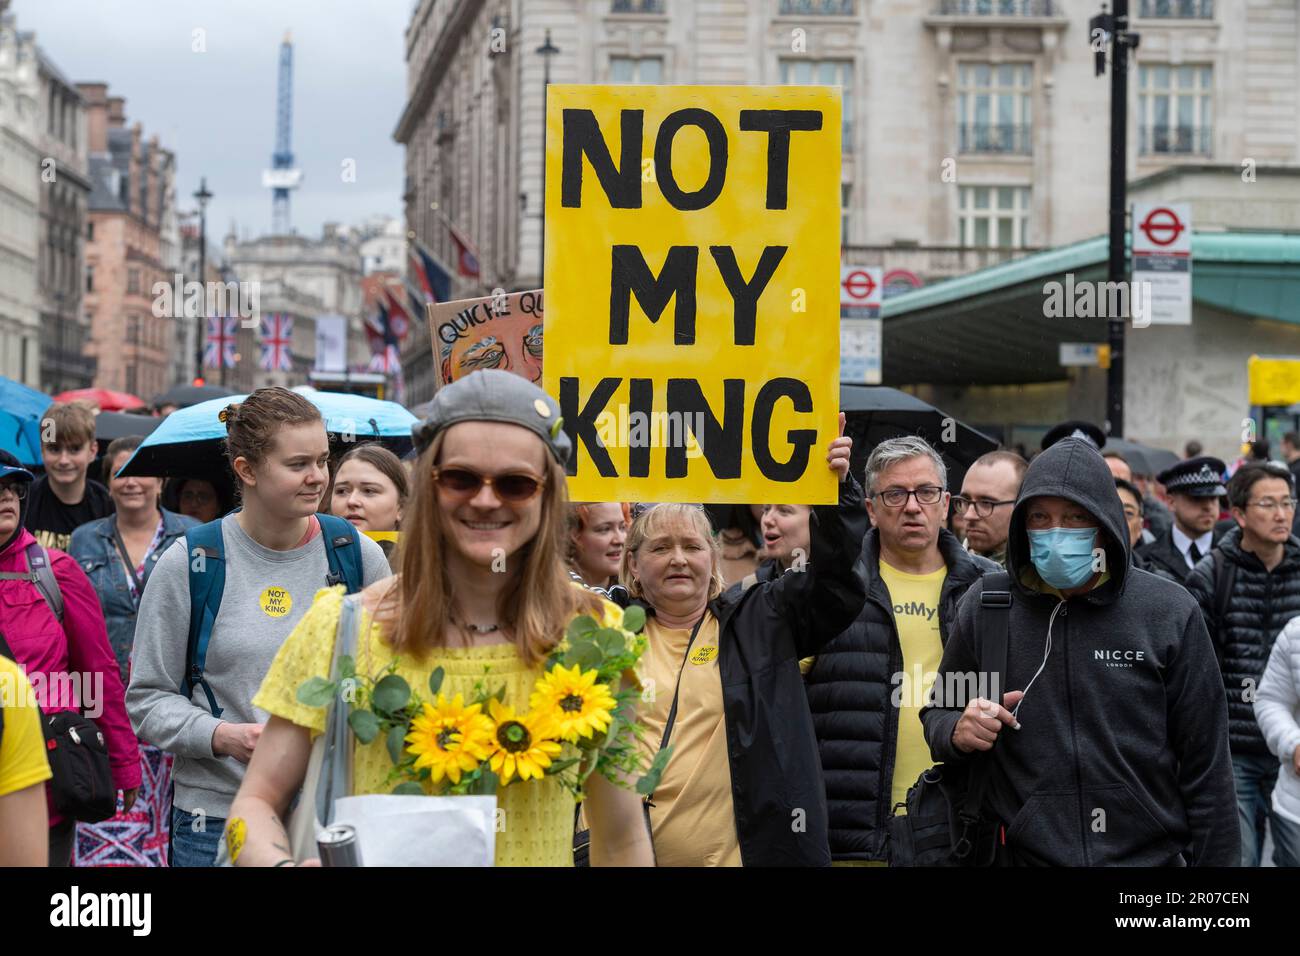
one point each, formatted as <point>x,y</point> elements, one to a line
<point>92,547</point>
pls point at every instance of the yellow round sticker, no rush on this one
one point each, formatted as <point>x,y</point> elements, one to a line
<point>276,602</point>
<point>704,654</point>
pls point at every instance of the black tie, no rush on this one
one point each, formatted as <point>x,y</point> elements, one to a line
<point>1194,552</point>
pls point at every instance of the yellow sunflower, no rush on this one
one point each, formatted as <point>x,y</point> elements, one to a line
<point>579,706</point>
<point>450,738</point>
<point>523,745</point>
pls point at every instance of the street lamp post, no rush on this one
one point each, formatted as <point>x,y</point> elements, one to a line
<point>546,51</point>
<point>203,196</point>
<point>1113,28</point>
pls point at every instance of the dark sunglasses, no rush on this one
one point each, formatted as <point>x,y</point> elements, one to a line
<point>514,487</point>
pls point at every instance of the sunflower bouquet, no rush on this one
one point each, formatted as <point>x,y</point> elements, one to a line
<point>580,720</point>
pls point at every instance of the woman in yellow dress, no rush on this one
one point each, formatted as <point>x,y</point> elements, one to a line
<point>482,585</point>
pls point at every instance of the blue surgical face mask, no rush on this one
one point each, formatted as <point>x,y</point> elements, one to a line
<point>1063,556</point>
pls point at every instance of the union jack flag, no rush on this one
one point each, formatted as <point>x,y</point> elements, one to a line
<point>277,337</point>
<point>219,349</point>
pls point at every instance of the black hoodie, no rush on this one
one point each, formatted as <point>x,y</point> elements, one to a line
<point>1122,753</point>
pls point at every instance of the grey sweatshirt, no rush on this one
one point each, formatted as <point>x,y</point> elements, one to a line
<point>266,593</point>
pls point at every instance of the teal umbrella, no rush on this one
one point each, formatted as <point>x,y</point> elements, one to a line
<point>188,443</point>
<point>21,409</point>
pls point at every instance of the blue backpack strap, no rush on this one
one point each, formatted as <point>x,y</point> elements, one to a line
<point>342,551</point>
<point>207,582</point>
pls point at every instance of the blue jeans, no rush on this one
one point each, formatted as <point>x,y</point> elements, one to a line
<point>191,847</point>
<point>1255,777</point>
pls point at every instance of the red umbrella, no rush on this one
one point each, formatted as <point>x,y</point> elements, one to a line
<point>104,399</point>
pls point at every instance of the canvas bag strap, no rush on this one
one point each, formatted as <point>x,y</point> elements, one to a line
<point>336,768</point>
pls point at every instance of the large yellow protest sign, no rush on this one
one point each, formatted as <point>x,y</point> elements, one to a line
<point>692,290</point>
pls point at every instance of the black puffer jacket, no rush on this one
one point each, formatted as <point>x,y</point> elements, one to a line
<point>1259,606</point>
<point>850,689</point>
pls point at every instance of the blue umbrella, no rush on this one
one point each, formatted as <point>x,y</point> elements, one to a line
<point>21,409</point>
<point>188,443</point>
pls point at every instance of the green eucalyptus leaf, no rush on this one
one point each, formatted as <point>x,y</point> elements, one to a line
<point>409,788</point>
<point>347,667</point>
<point>633,618</point>
<point>435,681</point>
<point>650,780</point>
<point>391,694</point>
<point>364,724</point>
<point>317,692</point>
<point>580,627</point>
<point>610,642</point>
<point>396,743</point>
<point>585,654</point>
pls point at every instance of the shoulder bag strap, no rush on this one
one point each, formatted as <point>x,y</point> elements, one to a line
<point>126,561</point>
<point>993,622</point>
<point>672,711</point>
<point>336,768</point>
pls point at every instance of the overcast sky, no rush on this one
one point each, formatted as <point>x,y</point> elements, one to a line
<point>216,109</point>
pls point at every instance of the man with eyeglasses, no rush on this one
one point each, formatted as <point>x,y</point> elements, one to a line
<point>987,494</point>
<point>1105,742</point>
<point>866,687</point>
<point>1248,590</point>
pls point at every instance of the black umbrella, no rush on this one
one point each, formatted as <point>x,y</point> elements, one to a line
<point>1143,459</point>
<point>111,425</point>
<point>874,413</point>
<point>183,396</point>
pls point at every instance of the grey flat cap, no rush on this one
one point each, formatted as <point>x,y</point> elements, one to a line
<point>491,395</point>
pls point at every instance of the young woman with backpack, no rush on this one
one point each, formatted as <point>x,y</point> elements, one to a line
<point>222,600</point>
<point>54,629</point>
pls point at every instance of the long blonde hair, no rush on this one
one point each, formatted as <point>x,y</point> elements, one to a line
<point>536,606</point>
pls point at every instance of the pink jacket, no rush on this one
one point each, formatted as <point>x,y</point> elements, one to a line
<point>71,664</point>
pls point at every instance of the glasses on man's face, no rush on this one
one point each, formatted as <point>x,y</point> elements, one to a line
<point>17,488</point>
<point>983,506</point>
<point>1273,504</point>
<point>512,487</point>
<point>897,497</point>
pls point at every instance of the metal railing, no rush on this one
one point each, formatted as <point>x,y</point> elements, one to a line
<point>1191,140</point>
<point>1177,9</point>
<point>817,8</point>
<point>1015,139</point>
<point>637,6</point>
<point>997,8</point>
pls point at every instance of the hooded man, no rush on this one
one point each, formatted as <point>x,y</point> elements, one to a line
<point>1112,746</point>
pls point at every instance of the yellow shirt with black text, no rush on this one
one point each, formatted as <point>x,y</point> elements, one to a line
<point>915,600</point>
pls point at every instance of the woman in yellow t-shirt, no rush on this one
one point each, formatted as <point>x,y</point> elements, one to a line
<point>23,772</point>
<point>482,584</point>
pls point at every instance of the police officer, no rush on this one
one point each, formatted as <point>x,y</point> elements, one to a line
<point>1194,487</point>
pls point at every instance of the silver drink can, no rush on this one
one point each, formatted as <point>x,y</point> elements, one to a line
<point>338,846</point>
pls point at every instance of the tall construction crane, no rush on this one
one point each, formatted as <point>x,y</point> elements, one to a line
<point>283,176</point>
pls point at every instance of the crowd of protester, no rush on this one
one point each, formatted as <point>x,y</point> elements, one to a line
<point>1152,654</point>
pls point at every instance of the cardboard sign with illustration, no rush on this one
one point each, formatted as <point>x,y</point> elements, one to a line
<point>692,284</point>
<point>501,331</point>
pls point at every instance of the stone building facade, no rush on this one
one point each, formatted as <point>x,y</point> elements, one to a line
<point>974,130</point>
<point>64,193</point>
<point>20,169</point>
<point>132,190</point>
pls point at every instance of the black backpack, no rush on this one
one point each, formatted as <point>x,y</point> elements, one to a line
<point>945,823</point>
